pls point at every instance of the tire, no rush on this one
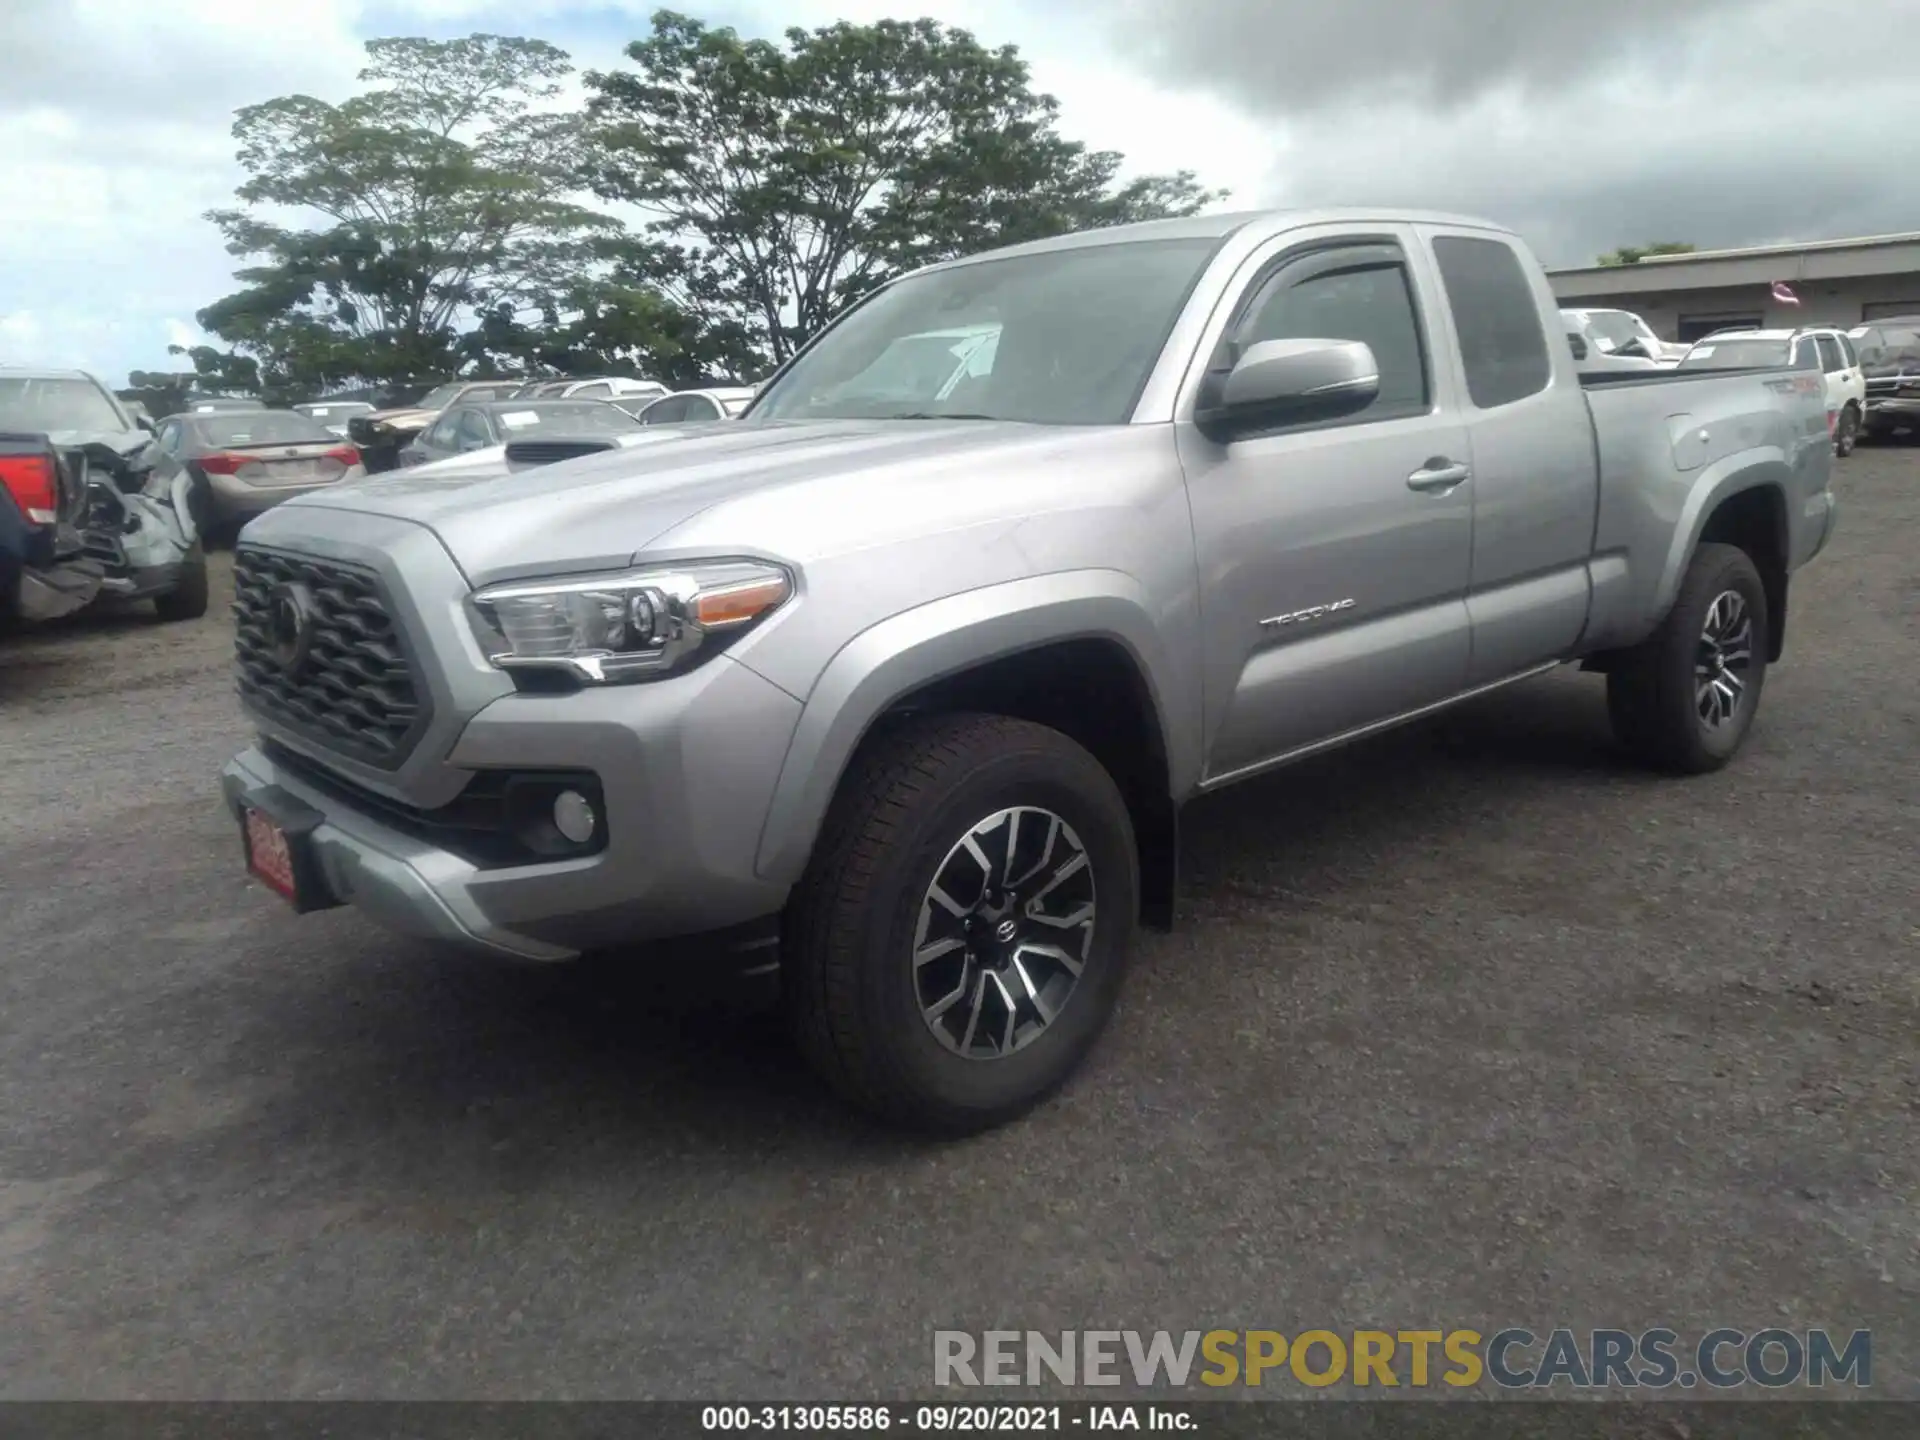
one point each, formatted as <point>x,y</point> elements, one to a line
<point>188,599</point>
<point>200,505</point>
<point>1654,698</point>
<point>900,822</point>
<point>1846,432</point>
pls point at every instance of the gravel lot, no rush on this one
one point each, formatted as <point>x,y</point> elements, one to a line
<point>1471,1026</point>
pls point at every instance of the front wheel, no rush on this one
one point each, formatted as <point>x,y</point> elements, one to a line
<point>1846,432</point>
<point>1685,697</point>
<point>959,939</point>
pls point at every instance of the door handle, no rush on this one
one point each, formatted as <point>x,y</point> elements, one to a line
<point>1438,477</point>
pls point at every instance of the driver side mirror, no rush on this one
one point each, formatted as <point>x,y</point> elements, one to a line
<point>1634,348</point>
<point>1288,382</point>
<point>146,423</point>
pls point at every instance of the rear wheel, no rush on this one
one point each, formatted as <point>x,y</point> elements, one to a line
<point>1846,432</point>
<point>960,937</point>
<point>1685,697</point>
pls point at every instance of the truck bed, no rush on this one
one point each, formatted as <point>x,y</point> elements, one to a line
<point>1662,440</point>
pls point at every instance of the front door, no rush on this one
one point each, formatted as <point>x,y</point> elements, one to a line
<point>1334,557</point>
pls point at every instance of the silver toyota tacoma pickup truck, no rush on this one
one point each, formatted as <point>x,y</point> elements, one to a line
<point>899,682</point>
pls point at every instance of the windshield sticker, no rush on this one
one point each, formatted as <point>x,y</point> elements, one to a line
<point>517,418</point>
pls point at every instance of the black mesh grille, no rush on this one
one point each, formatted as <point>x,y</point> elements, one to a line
<point>354,691</point>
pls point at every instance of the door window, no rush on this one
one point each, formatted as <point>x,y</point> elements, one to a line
<point>471,431</point>
<point>665,412</point>
<point>1357,293</point>
<point>1497,318</point>
<point>1831,360</point>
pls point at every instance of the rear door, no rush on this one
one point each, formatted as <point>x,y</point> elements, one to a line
<point>1535,477</point>
<point>1844,383</point>
<point>1333,557</point>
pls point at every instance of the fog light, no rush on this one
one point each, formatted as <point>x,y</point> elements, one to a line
<point>573,816</point>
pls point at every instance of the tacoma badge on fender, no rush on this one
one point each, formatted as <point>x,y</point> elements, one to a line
<point>1312,612</point>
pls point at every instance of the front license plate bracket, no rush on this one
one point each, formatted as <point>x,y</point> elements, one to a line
<point>295,821</point>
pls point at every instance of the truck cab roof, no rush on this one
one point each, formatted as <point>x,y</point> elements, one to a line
<point>1256,224</point>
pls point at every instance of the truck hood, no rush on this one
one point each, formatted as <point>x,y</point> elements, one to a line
<point>601,510</point>
<point>490,462</point>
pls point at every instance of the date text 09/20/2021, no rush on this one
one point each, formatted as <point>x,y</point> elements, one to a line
<point>867,1419</point>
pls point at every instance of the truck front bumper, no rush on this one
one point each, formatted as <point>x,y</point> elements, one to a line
<point>398,880</point>
<point>686,771</point>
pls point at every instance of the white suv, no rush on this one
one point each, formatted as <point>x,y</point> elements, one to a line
<point>1813,347</point>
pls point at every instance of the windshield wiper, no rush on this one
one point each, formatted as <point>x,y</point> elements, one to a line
<point>938,415</point>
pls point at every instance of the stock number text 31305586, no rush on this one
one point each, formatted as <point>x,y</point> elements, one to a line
<point>868,1418</point>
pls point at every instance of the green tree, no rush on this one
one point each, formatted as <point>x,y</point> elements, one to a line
<point>163,392</point>
<point>783,181</point>
<point>612,318</point>
<point>1634,254</point>
<point>443,191</point>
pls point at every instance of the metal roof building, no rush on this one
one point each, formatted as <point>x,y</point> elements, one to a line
<point>1838,282</point>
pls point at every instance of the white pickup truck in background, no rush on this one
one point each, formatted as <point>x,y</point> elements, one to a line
<point>1621,335</point>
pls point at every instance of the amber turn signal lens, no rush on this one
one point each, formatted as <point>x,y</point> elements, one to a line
<point>718,608</point>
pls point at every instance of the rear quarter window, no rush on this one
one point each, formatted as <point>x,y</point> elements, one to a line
<point>1502,345</point>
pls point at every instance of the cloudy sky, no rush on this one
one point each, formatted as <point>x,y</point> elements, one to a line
<point>1585,126</point>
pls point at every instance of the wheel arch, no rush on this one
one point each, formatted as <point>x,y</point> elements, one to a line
<point>1745,507</point>
<point>1079,652</point>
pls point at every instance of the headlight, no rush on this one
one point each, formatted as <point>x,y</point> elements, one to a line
<point>637,625</point>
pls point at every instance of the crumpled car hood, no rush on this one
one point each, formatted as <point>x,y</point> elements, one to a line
<point>122,442</point>
<point>398,417</point>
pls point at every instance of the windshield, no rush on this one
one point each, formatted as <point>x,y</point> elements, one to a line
<point>1064,337</point>
<point>1616,327</point>
<point>40,403</point>
<point>1737,355</point>
<point>1886,344</point>
<point>565,417</point>
<point>439,397</point>
<point>261,427</point>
